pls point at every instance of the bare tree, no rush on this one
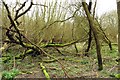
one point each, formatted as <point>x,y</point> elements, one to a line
<point>90,31</point>
<point>118,11</point>
<point>95,33</point>
<point>13,33</point>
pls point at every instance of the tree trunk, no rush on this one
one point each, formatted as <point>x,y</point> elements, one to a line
<point>89,40</point>
<point>93,27</point>
<point>90,30</point>
<point>118,11</point>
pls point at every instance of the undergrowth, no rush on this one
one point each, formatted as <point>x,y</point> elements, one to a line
<point>75,65</point>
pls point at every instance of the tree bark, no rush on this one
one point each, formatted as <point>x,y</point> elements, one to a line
<point>90,31</point>
<point>118,12</point>
<point>94,29</point>
<point>89,41</point>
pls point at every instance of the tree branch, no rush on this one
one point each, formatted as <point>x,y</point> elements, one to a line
<point>61,20</point>
<point>17,16</point>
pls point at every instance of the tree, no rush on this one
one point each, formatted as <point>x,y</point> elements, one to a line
<point>90,30</point>
<point>109,24</point>
<point>16,36</point>
<point>118,12</point>
<point>95,33</point>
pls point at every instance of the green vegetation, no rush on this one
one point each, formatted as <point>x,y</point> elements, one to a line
<point>50,40</point>
<point>75,65</point>
<point>9,75</point>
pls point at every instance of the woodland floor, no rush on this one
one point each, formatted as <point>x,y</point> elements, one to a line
<point>75,64</point>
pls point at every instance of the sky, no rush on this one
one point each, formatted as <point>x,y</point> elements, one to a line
<point>103,6</point>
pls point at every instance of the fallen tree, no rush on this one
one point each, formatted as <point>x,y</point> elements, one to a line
<point>15,36</point>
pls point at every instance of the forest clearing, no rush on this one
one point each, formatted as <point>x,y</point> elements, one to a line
<point>75,64</point>
<point>58,39</point>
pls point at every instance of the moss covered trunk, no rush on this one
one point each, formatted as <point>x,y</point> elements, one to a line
<point>94,29</point>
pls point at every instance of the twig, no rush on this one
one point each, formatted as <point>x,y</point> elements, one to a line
<point>112,68</point>
<point>14,65</point>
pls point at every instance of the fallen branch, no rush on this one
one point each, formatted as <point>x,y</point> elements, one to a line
<point>61,45</point>
<point>63,68</point>
<point>44,71</point>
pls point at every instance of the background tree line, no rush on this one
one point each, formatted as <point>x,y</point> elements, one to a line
<point>53,23</point>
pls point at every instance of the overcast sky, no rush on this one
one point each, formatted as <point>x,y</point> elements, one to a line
<point>103,6</point>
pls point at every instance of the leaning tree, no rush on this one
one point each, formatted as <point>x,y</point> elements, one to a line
<point>95,34</point>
